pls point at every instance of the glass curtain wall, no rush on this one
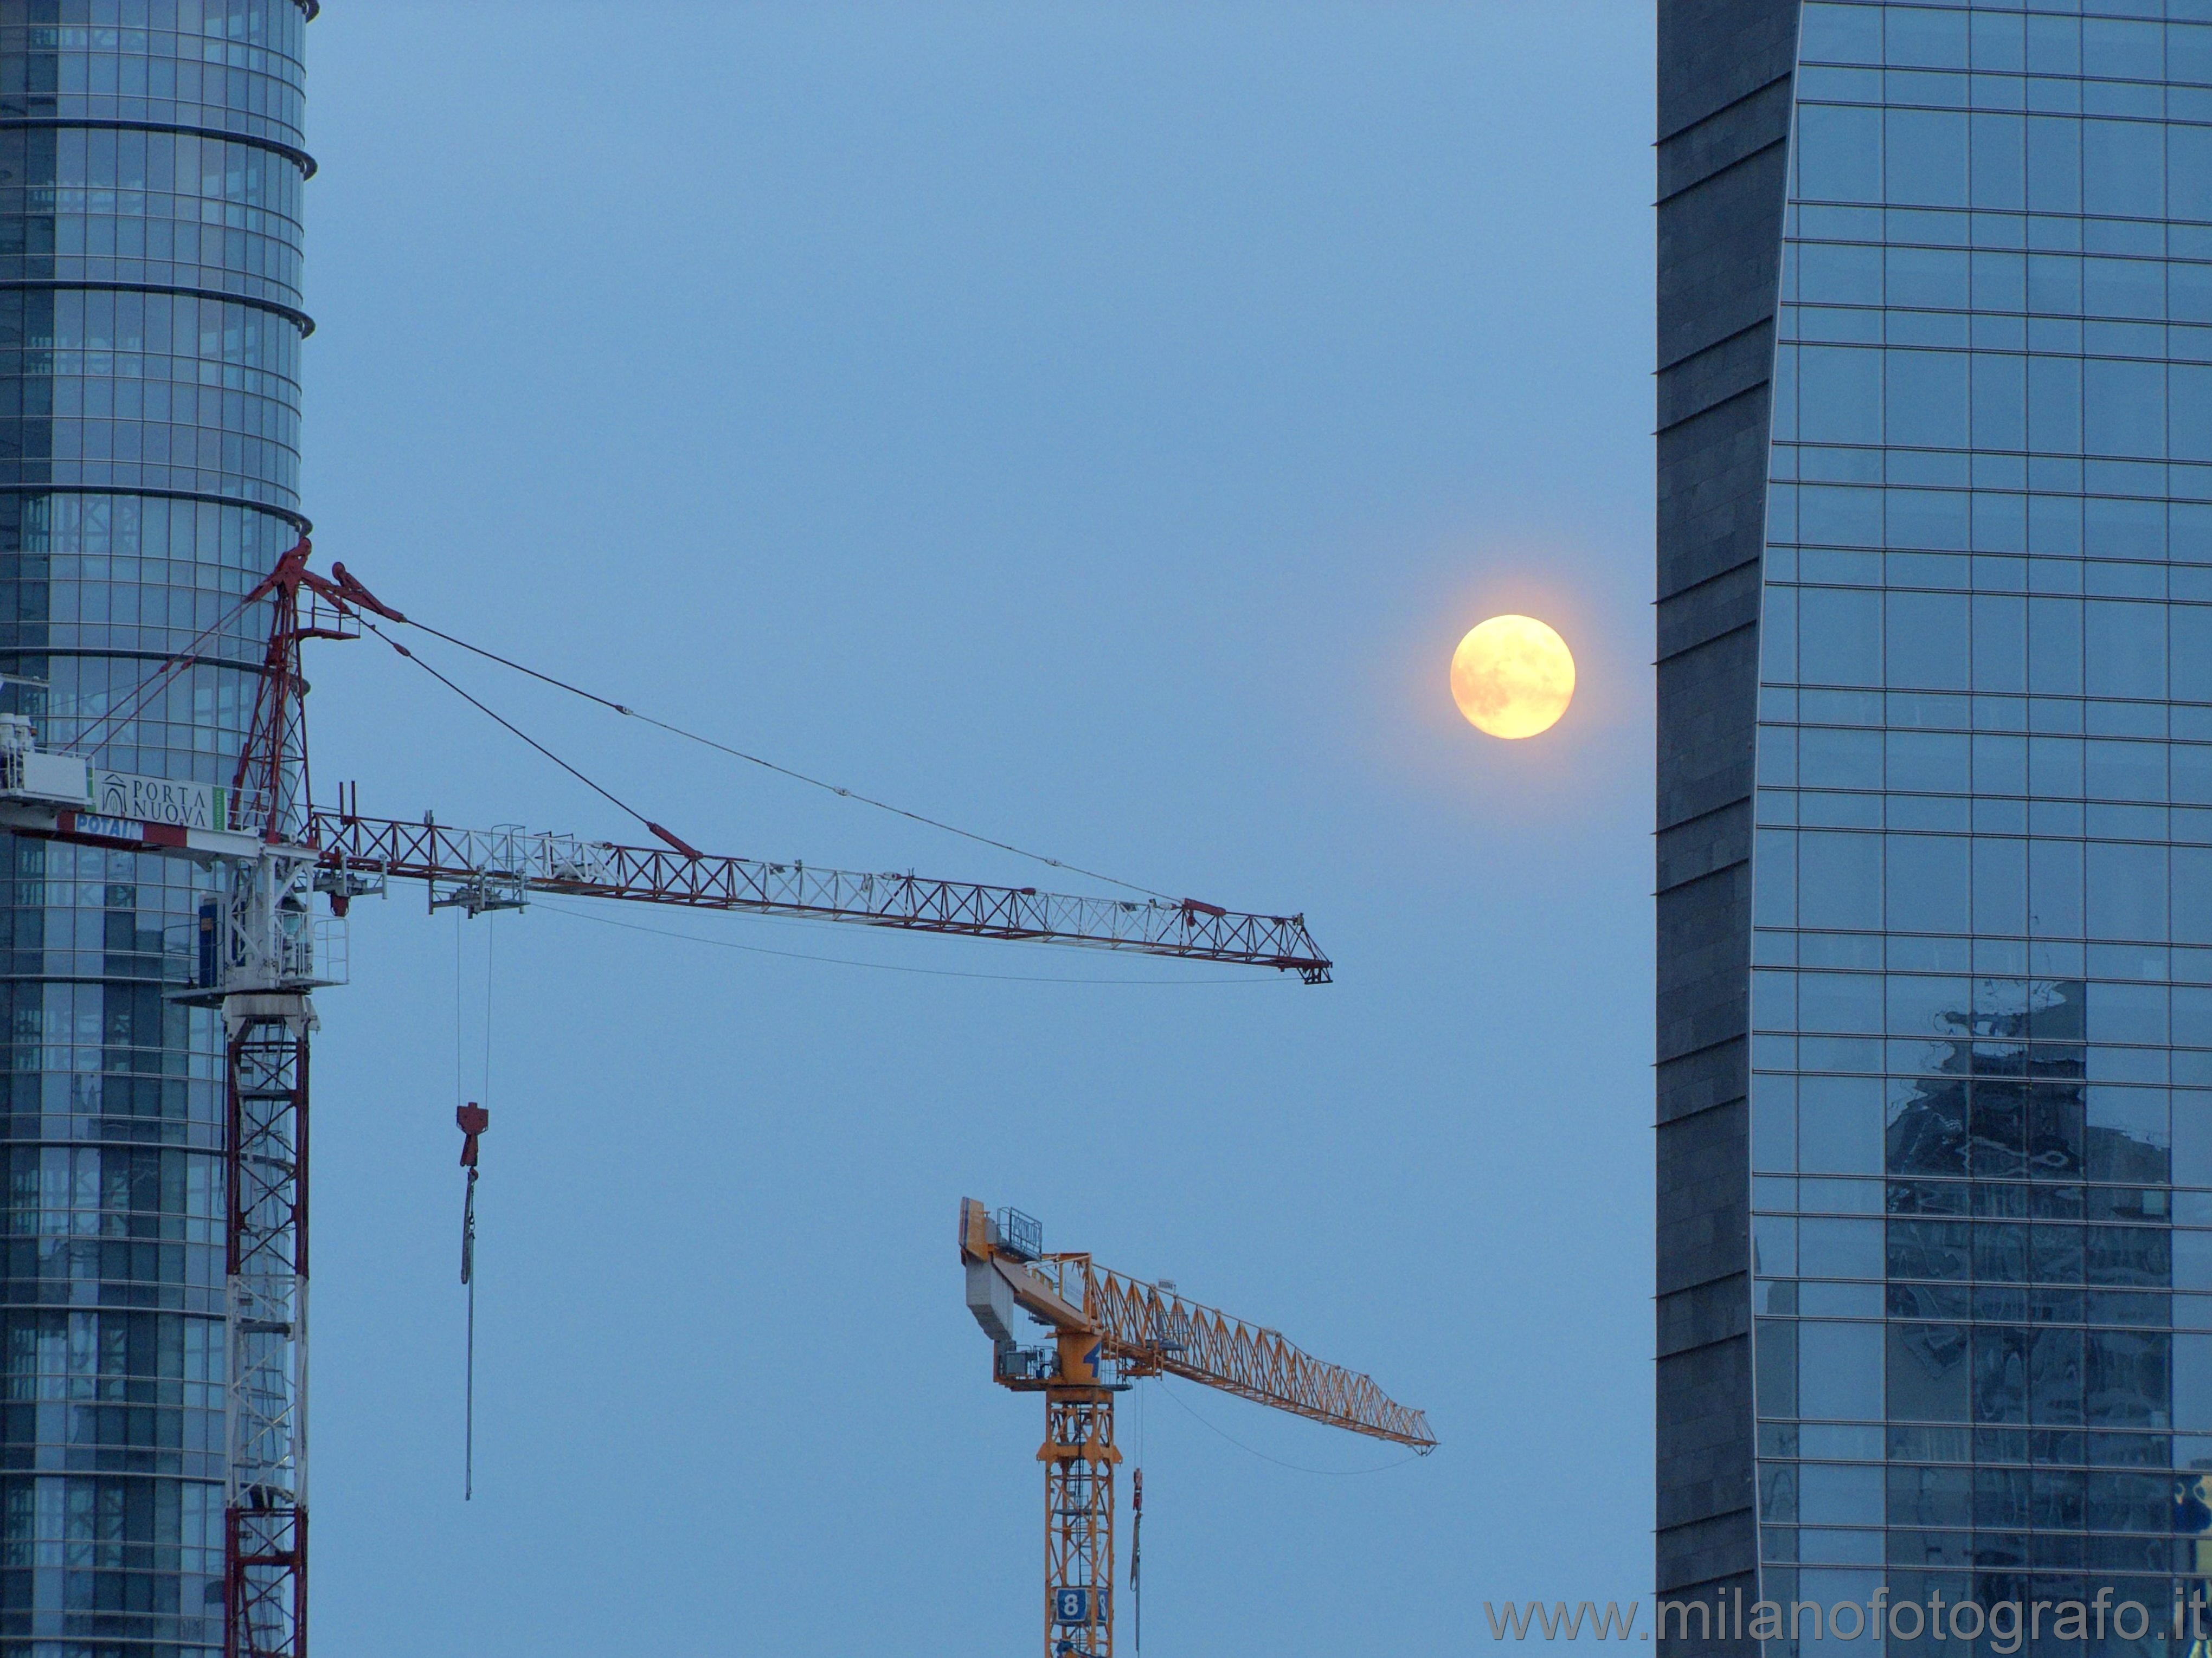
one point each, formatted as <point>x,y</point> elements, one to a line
<point>150,186</point>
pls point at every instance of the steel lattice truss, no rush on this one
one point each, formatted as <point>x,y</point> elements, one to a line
<point>511,863</point>
<point>265,1541</point>
<point>1152,1332</point>
<point>1078,1456</point>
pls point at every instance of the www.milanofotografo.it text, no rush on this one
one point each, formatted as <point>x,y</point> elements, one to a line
<point>2007,1626</point>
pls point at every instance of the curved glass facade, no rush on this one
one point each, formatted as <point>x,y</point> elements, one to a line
<point>1981,891</point>
<point>151,176</point>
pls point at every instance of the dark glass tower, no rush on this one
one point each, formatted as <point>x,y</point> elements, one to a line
<point>1936,806</point>
<point>151,171</point>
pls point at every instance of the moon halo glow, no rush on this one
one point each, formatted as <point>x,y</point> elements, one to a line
<point>1512,677</point>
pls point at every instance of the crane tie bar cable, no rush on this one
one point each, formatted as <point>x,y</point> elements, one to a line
<point>502,720</point>
<point>784,771</point>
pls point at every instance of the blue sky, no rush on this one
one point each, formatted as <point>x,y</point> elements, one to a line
<point>1094,425</point>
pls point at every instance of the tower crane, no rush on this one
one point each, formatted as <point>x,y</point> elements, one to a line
<point>1109,1331</point>
<point>263,949</point>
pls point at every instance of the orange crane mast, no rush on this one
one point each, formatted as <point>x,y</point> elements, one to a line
<point>1109,1331</point>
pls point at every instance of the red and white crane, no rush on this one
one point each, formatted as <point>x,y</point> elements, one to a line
<point>263,951</point>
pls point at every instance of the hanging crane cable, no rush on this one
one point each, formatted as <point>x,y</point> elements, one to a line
<point>473,1119</point>
<point>629,712</point>
<point>1137,1539</point>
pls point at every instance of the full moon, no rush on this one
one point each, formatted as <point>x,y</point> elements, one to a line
<point>1512,677</point>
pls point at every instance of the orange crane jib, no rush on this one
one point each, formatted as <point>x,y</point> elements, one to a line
<point>1108,1330</point>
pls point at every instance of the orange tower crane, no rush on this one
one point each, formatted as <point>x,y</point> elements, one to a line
<point>1109,1331</point>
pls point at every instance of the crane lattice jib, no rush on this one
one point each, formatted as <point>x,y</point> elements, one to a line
<point>1150,1329</point>
<point>563,865</point>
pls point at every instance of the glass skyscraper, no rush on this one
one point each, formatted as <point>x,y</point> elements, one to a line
<point>1935,807</point>
<point>151,171</point>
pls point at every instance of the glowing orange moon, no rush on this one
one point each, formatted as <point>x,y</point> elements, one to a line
<point>1513,676</point>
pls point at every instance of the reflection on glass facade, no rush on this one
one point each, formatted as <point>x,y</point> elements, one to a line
<point>1981,1003</point>
<point>150,186</point>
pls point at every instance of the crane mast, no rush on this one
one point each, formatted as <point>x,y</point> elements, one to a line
<point>1107,1331</point>
<point>263,951</point>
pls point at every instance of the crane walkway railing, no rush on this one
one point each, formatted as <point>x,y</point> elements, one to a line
<point>565,865</point>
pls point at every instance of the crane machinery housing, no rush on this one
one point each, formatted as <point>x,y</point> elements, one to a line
<point>1109,1331</point>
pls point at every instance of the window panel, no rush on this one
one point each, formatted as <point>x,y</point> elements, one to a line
<point>2054,525</point>
<point>2192,900</point>
<point>1923,1006</point>
<point>1933,520</point>
<point>2000,886</point>
<point>2000,162</point>
<point>2000,1384</point>
<point>2055,1376</point>
<point>1927,398</point>
<point>1774,1130</point>
<point>2125,771</point>
<point>1917,38</point>
<point>2128,51</point>
<point>1840,880</point>
<point>2126,649</point>
<point>1842,1371</point>
<point>2123,168</point>
<point>1998,1130</point>
<point>1839,397</point>
<point>2124,288</point>
<point>1929,882</point>
<point>2127,1386</point>
<point>2123,529</point>
<point>2189,171</point>
<point>2054,164</point>
<point>2130,1139</point>
<point>2054,405</point>
<point>2000,402</point>
<point>1831,757</point>
<point>1925,157</point>
<point>1927,638</point>
<point>1933,762</point>
<point>1832,1246</point>
<point>1839,517</point>
<point>2189,292</point>
<point>1841,35</point>
<point>2193,1258</point>
<point>1927,278</point>
<point>2192,1381</point>
<point>1925,1134</point>
<point>1839,1123</point>
<point>2127,891</point>
<point>2190,414</point>
<point>1838,273</point>
<point>1839,637</point>
<point>1927,1371</point>
<point>2124,408</point>
<point>2000,762</point>
<point>1838,154</point>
